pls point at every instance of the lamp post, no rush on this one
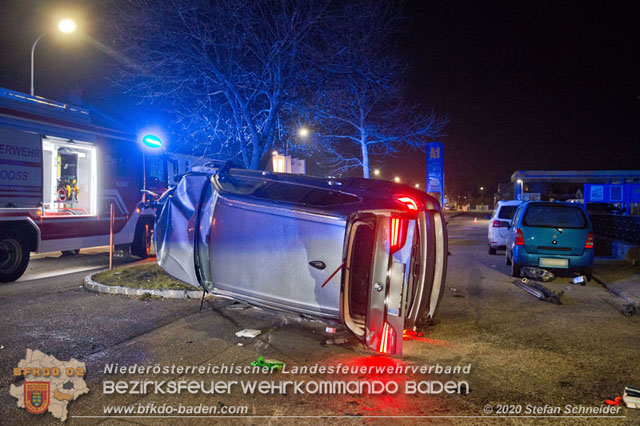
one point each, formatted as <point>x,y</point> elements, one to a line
<point>66,26</point>
<point>482,195</point>
<point>303,133</point>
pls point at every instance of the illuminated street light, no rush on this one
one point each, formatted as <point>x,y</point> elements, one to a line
<point>417,185</point>
<point>66,26</point>
<point>396,179</point>
<point>303,132</point>
<point>376,172</point>
<point>482,192</point>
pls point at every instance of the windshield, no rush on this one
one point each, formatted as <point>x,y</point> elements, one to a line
<point>507,212</point>
<point>555,217</point>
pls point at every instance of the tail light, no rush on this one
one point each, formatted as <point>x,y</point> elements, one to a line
<point>500,224</point>
<point>589,243</point>
<point>397,233</point>
<point>519,237</point>
<point>409,202</point>
<point>387,339</point>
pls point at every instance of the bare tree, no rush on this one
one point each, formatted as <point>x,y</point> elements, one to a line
<point>360,110</point>
<point>224,67</point>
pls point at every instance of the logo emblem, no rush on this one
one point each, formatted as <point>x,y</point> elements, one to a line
<point>36,396</point>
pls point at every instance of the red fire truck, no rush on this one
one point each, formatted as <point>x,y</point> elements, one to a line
<point>59,175</point>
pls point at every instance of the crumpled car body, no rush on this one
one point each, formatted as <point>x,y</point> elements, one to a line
<point>369,253</point>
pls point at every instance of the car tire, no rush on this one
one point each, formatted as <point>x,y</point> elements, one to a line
<point>516,269</point>
<point>14,256</point>
<point>141,245</point>
<point>492,250</point>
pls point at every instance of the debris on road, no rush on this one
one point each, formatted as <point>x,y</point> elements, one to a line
<point>456,292</point>
<point>539,291</point>
<point>616,401</point>
<point>269,363</point>
<point>538,274</point>
<point>632,397</point>
<point>330,330</point>
<point>580,279</point>
<point>336,341</point>
<point>248,332</point>
<point>237,306</point>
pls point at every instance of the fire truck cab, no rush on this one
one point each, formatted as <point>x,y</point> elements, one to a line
<point>59,176</point>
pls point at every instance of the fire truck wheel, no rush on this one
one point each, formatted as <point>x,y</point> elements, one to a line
<point>14,256</point>
<point>142,240</point>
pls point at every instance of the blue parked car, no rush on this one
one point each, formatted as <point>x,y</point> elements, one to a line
<point>550,235</point>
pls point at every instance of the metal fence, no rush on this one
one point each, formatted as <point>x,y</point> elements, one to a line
<point>622,228</point>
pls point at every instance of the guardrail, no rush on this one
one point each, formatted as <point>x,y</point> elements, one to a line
<point>622,228</point>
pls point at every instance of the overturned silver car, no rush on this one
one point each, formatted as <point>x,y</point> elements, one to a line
<point>370,253</point>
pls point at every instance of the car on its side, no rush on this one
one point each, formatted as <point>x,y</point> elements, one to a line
<point>369,253</point>
<point>550,235</point>
<point>500,223</point>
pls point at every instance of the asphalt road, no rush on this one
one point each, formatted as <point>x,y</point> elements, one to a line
<point>522,352</point>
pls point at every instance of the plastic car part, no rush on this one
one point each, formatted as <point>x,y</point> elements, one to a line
<point>539,291</point>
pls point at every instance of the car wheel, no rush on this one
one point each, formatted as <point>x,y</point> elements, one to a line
<point>141,245</point>
<point>14,256</point>
<point>515,269</point>
<point>492,250</point>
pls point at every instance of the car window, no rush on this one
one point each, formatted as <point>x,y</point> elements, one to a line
<point>554,216</point>
<point>516,216</point>
<point>285,192</point>
<point>507,212</point>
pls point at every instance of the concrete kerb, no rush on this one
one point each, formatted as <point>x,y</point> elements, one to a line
<point>91,285</point>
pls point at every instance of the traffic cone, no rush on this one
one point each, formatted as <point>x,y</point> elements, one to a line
<point>475,220</point>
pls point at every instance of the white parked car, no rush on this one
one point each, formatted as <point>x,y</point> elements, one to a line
<point>500,223</point>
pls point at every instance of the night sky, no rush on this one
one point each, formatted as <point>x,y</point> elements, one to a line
<point>526,84</point>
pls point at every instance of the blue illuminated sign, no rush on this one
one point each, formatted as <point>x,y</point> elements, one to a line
<point>435,170</point>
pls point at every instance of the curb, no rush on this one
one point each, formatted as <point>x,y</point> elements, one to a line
<point>91,285</point>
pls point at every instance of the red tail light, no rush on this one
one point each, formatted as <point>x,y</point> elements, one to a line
<point>387,339</point>
<point>409,202</point>
<point>589,243</point>
<point>500,224</point>
<point>397,233</point>
<point>519,237</point>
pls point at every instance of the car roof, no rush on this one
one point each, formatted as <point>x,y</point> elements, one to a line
<point>509,203</point>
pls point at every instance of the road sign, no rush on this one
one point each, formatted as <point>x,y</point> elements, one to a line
<point>435,171</point>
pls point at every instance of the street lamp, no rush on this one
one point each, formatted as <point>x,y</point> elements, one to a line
<point>417,185</point>
<point>521,183</point>
<point>376,172</point>
<point>396,179</point>
<point>482,195</point>
<point>65,26</point>
<point>303,133</point>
